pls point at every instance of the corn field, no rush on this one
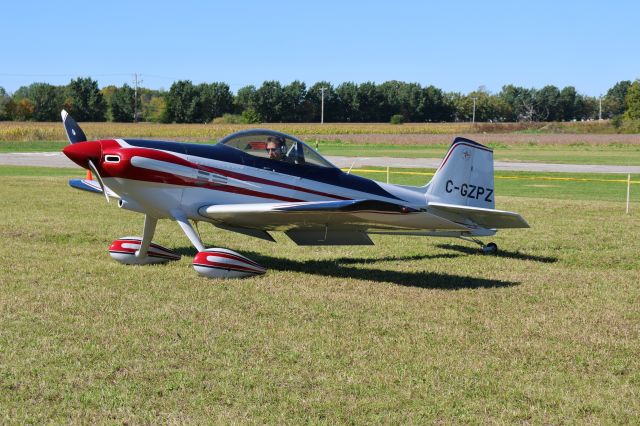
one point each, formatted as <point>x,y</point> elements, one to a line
<point>34,131</point>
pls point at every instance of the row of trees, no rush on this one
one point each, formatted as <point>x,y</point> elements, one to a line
<point>42,101</point>
<point>294,102</point>
<point>368,102</point>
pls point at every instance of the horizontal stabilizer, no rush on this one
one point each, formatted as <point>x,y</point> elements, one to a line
<point>485,218</point>
<point>91,186</point>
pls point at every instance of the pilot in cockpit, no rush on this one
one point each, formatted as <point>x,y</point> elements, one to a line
<point>275,148</point>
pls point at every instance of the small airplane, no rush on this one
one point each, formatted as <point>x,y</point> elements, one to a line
<point>254,182</point>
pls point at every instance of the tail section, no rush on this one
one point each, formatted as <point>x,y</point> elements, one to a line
<point>465,176</point>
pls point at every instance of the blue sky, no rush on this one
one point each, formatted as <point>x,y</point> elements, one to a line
<point>454,45</point>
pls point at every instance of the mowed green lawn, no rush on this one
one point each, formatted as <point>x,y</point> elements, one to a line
<point>624,155</point>
<point>412,330</point>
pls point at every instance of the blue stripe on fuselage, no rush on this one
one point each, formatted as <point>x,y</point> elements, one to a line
<point>220,152</point>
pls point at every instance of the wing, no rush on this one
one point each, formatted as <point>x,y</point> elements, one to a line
<point>324,222</point>
<point>285,216</point>
<point>306,223</point>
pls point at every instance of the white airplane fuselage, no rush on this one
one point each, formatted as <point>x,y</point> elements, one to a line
<point>162,179</point>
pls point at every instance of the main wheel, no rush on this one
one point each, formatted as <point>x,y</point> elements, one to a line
<point>491,248</point>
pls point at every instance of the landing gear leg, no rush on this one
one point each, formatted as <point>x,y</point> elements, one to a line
<point>217,262</point>
<point>149,229</point>
<point>141,251</point>
<point>189,231</point>
<point>491,248</point>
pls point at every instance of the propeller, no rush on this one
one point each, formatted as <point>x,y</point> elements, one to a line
<point>95,172</point>
<point>73,131</point>
<point>80,153</point>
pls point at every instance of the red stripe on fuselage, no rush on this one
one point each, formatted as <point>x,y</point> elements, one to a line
<point>146,175</point>
<point>113,170</point>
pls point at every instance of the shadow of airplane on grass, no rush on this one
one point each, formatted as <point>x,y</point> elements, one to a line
<point>365,260</point>
<point>339,268</point>
<point>501,253</point>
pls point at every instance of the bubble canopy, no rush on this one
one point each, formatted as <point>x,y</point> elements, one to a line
<point>275,146</point>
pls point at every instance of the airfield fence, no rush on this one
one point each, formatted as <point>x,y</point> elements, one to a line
<point>497,177</point>
<point>627,180</point>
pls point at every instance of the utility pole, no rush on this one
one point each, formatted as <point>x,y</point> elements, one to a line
<point>473,120</point>
<point>136,81</point>
<point>600,110</point>
<point>322,89</point>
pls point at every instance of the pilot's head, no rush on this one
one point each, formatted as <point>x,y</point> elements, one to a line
<point>274,147</point>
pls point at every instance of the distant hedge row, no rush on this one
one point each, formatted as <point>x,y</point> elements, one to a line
<point>273,102</point>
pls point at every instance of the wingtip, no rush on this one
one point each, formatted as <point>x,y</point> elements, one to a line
<point>64,114</point>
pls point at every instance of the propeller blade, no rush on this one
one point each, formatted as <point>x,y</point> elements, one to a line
<point>74,132</point>
<point>97,175</point>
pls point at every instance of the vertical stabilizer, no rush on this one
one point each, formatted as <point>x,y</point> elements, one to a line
<point>465,176</point>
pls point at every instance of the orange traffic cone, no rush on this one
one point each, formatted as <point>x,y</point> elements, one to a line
<point>89,177</point>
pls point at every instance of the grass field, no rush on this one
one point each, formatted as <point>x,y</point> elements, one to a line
<point>411,330</point>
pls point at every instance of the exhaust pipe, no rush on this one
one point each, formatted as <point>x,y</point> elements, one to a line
<point>131,205</point>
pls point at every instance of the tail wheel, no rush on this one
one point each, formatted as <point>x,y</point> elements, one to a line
<point>491,248</point>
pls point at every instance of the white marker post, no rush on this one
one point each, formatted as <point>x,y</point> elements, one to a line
<point>628,190</point>
<point>352,164</point>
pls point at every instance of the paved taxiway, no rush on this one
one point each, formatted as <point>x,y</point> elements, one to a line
<point>57,159</point>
